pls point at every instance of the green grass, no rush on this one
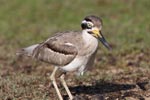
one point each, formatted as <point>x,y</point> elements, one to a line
<point>126,24</point>
<point>25,22</point>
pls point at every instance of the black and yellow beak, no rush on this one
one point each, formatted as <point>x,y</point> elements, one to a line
<point>98,34</point>
<point>104,42</point>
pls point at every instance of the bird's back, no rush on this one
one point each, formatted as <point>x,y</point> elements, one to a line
<point>72,37</point>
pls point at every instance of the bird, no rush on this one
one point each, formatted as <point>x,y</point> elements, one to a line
<point>69,51</point>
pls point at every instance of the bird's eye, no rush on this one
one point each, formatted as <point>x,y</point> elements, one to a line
<point>89,24</point>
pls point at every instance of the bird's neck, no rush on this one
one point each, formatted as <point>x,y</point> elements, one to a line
<point>90,43</point>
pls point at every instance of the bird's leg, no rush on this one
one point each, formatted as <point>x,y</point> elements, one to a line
<point>65,86</point>
<point>52,77</point>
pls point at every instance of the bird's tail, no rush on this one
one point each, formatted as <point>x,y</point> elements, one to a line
<point>28,51</point>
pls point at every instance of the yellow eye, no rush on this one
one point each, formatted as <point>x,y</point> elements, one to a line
<point>89,24</point>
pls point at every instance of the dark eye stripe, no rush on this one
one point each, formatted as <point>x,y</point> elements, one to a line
<point>88,19</point>
<point>90,32</point>
<point>87,24</point>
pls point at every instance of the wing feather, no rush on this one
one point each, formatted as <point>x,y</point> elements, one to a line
<point>55,52</point>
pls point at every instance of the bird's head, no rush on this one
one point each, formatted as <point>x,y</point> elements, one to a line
<point>93,25</point>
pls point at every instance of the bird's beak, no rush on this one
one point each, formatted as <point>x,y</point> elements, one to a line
<point>104,42</point>
<point>98,34</point>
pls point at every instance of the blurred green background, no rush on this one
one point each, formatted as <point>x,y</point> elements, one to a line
<point>126,26</point>
<point>22,23</point>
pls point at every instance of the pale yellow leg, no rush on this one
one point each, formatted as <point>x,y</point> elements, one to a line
<point>52,77</point>
<point>66,87</point>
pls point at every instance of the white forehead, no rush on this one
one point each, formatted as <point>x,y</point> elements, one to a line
<point>84,21</point>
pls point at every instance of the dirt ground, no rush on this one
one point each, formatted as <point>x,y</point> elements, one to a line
<point>29,80</point>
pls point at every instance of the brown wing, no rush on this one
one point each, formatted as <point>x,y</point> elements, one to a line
<point>55,52</point>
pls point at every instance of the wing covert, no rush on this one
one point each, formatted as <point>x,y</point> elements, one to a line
<point>55,52</point>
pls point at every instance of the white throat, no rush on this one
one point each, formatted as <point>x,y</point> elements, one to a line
<point>88,38</point>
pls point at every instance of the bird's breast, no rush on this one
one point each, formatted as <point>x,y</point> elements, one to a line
<point>75,64</point>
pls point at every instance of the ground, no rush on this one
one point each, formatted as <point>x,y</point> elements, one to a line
<point>120,74</point>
